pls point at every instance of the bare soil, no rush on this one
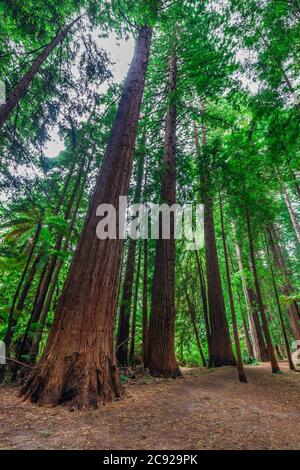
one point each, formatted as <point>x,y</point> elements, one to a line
<point>206,409</point>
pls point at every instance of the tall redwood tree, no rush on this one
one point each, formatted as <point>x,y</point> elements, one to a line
<point>161,359</point>
<point>78,363</point>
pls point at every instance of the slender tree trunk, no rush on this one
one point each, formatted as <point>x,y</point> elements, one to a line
<point>293,214</point>
<point>192,311</point>
<point>12,319</point>
<point>285,285</point>
<point>244,320</point>
<point>246,330</point>
<point>125,307</point>
<point>259,346</point>
<point>240,365</point>
<point>204,300</point>
<point>274,364</point>
<point>78,363</point>
<point>47,275</point>
<point>135,305</point>
<point>44,313</point>
<point>161,353</point>
<point>145,306</point>
<point>285,337</point>
<point>21,88</point>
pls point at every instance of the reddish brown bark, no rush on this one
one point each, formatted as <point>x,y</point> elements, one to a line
<point>274,363</point>
<point>161,359</point>
<point>22,87</point>
<point>220,346</point>
<point>78,365</point>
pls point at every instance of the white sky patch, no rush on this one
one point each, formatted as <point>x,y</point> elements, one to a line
<point>120,52</point>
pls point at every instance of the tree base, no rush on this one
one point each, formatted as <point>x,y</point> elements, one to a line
<point>243,378</point>
<point>215,361</point>
<point>166,373</point>
<point>75,382</point>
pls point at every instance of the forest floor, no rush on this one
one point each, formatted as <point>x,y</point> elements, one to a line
<point>207,409</point>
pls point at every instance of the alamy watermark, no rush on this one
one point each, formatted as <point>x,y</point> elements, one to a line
<point>152,221</point>
<point>2,93</point>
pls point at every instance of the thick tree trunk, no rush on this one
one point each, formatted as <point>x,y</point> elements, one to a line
<point>259,347</point>
<point>125,307</point>
<point>285,284</point>
<point>161,359</point>
<point>274,364</point>
<point>21,88</point>
<point>135,305</point>
<point>240,365</point>
<point>78,364</point>
<point>145,306</point>
<point>221,353</point>
<point>286,341</point>
<point>220,346</point>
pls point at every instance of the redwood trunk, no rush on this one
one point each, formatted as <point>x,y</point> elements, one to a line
<point>161,353</point>
<point>22,87</point>
<point>78,364</point>
<point>221,353</point>
<point>274,364</point>
<point>220,346</point>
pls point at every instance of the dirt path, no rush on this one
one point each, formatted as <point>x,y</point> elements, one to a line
<point>204,410</point>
